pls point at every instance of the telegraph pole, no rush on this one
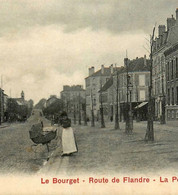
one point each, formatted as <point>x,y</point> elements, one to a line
<point>150,129</point>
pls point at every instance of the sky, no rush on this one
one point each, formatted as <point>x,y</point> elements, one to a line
<point>45,44</point>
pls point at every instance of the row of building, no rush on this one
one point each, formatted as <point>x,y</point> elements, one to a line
<point>101,85</point>
<point>13,109</point>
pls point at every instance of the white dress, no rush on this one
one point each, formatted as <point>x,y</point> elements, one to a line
<point>68,141</point>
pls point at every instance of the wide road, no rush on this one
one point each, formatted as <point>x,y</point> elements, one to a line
<point>109,151</point>
<point>15,150</point>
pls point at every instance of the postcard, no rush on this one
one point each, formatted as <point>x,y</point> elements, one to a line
<point>88,97</point>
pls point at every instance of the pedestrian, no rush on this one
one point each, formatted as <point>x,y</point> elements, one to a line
<point>68,140</point>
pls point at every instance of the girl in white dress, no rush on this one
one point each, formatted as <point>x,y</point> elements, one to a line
<point>68,140</point>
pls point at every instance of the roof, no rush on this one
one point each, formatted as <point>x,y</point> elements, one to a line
<point>20,101</point>
<point>107,85</point>
<point>107,72</point>
<point>72,88</point>
<point>171,49</point>
<point>136,65</point>
<point>172,35</point>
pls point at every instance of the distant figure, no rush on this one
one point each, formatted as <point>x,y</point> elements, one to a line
<point>68,139</point>
<point>111,118</point>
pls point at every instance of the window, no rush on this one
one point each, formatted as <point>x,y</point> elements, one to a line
<point>177,67</point>
<point>168,71</point>
<point>177,95</point>
<point>168,99</point>
<point>172,96</point>
<point>94,102</point>
<point>172,69</point>
<point>142,80</point>
<point>142,95</point>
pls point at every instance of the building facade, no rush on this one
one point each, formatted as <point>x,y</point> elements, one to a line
<point>139,75</point>
<point>94,82</point>
<point>171,55</point>
<point>161,43</point>
<point>73,98</point>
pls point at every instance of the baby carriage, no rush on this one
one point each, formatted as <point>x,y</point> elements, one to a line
<point>38,136</point>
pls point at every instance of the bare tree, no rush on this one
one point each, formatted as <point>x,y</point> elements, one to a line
<point>150,129</point>
<point>92,111</point>
<point>84,112</point>
<point>101,105</point>
<point>74,113</point>
<point>79,110</point>
<point>117,126</point>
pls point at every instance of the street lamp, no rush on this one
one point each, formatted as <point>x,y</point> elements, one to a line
<point>130,87</point>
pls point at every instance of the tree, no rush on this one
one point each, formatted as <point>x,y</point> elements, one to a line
<point>150,129</point>
<point>79,110</point>
<point>92,111</point>
<point>54,109</point>
<point>84,111</point>
<point>74,113</point>
<point>117,102</point>
<point>101,105</point>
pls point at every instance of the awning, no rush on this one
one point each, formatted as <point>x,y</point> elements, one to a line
<point>141,105</point>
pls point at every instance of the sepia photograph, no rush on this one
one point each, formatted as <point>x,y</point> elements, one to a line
<point>88,97</point>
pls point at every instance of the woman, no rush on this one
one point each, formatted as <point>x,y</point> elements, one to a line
<point>68,139</point>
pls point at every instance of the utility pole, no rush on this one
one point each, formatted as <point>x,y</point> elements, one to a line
<point>150,129</point>
<point>117,102</point>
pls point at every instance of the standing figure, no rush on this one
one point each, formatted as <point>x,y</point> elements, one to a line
<point>68,140</point>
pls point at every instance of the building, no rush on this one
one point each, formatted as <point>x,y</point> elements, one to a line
<point>18,108</point>
<point>166,37</point>
<point>171,56</point>
<point>93,83</point>
<point>139,75</point>
<point>51,100</point>
<point>73,97</point>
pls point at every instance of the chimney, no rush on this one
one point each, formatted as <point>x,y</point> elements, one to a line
<point>111,69</point>
<point>91,70</point>
<point>102,69</point>
<point>171,22</point>
<point>145,60</point>
<point>161,29</point>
